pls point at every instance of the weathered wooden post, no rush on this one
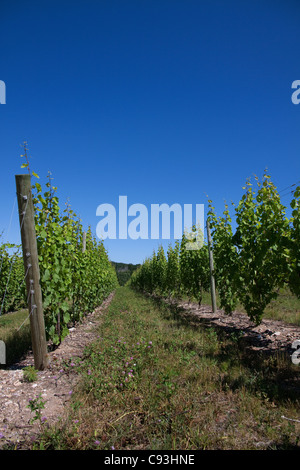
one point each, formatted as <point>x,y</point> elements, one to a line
<point>31,267</point>
<point>211,266</point>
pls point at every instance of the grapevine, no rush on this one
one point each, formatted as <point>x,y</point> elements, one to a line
<point>251,263</point>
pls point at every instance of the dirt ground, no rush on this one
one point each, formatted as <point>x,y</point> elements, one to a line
<point>57,382</point>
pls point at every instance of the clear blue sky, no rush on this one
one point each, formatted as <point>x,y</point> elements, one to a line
<point>164,101</point>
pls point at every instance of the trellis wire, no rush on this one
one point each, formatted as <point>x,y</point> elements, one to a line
<point>33,307</point>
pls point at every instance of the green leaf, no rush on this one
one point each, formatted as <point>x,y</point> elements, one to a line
<point>43,234</point>
<point>38,187</point>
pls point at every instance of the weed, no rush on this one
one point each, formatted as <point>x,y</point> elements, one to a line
<point>36,405</point>
<point>29,374</point>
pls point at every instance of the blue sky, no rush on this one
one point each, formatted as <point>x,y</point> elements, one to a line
<point>164,101</point>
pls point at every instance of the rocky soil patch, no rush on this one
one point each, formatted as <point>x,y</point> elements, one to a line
<point>269,336</point>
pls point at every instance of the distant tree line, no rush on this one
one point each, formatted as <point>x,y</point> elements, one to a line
<point>124,271</point>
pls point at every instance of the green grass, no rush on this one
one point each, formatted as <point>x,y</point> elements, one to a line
<point>285,308</point>
<point>15,332</point>
<point>155,381</point>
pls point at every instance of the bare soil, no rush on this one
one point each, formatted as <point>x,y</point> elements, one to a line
<point>57,382</point>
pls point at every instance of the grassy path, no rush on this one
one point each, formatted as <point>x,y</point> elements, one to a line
<point>152,382</point>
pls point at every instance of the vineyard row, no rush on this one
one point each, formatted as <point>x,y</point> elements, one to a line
<point>250,263</point>
<point>73,281</point>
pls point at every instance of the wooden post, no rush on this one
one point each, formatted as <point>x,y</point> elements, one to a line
<point>31,266</point>
<point>83,242</point>
<point>211,266</point>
